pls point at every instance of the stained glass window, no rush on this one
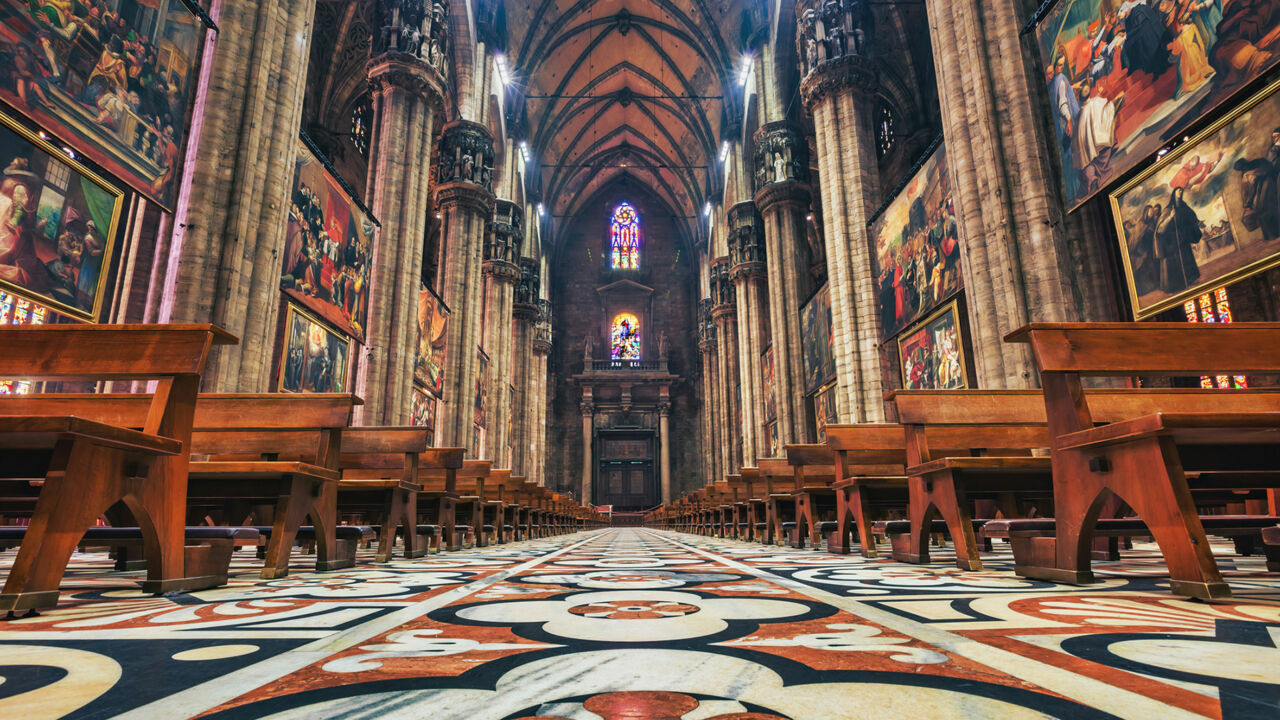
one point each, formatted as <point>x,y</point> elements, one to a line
<point>884,130</point>
<point>624,238</point>
<point>361,118</point>
<point>15,310</point>
<point>1214,307</point>
<point>625,339</point>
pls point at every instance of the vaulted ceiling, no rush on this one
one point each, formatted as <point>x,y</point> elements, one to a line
<point>626,87</point>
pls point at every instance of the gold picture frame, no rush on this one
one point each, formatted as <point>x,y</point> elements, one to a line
<point>116,197</point>
<point>304,382</point>
<point>911,338</point>
<point>1192,149</point>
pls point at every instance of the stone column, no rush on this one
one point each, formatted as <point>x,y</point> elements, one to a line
<point>229,238</point>
<point>524,313</point>
<point>707,345</point>
<point>407,96</point>
<point>1024,259</point>
<point>588,433</point>
<point>725,315</point>
<point>664,437</point>
<point>839,91</point>
<point>538,379</point>
<point>781,172</point>
<point>465,202</point>
<point>747,271</point>
<point>501,274</point>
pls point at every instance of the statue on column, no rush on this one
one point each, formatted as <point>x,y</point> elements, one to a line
<point>588,347</point>
<point>663,348</point>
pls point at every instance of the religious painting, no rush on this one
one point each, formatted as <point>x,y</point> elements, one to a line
<point>824,410</point>
<point>423,413</point>
<point>917,247</point>
<point>766,384</point>
<point>1125,76</point>
<point>771,438</point>
<point>817,340</point>
<point>115,80</point>
<point>932,353</point>
<point>328,246</point>
<point>313,358</point>
<point>1208,214</point>
<point>624,337</point>
<point>433,326</point>
<point>58,223</point>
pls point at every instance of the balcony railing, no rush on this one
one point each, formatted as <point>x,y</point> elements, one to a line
<point>628,366</point>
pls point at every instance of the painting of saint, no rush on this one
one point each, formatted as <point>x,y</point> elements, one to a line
<point>433,325</point>
<point>57,224</point>
<point>824,410</point>
<point>1126,76</point>
<point>917,247</point>
<point>482,389</point>
<point>766,371</point>
<point>818,340</point>
<point>328,246</point>
<point>423,412</point>
<point>313,358</point>
<point>932,353</point>
<point>1208,214</point>
<point>113,80</point>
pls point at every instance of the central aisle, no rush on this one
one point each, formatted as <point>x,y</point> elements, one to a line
<point>626,624</point>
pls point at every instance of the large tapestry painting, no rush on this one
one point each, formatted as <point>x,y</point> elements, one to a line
<point>818,342</point>
<point>113,78</point>
<point>1208,214</point>
<point>433,326</point>
<point>1124,76</point>
<point>314,358</point>
<point>932,354</point>
<point>766,382</point>
<point>57,224</point>
<point>917,247</point>
<point>327,247</point>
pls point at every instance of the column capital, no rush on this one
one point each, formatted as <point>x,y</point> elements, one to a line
<point>588,409</point>
<point>664,409</point>
<point>394,71</point>
<point>466,158</point>
<point>410,48</point>
<point>782,155</point>
<point>465,195</point>
<point>791,194</point>
<point>851,72</point>
<point>502,271</point>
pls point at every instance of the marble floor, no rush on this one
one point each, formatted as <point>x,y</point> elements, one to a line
<point>625,624</point>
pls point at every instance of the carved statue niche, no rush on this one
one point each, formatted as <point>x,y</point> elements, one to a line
<point>588,350</point>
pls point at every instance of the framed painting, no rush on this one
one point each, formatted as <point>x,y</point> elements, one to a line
<point>114,80</point>
<point>771,437</point>
<point>824,410</point>
<point>433,327</point>
<point>313,358</point>
<point>917,242</point>
<point>328,246</point>
<point>423,412</point>
<point>1125,77</point>
<point>1208,214</point>
<point>818,340</point>
<point>766,384</point>
<point>482,389</point>
<point>58,224</point>
<point>931,354</point>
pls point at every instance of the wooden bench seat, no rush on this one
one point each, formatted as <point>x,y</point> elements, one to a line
<point>380,475</point>
<point>88,462</point>
<point>1149,448</point>
<point>128,544</point>
<point>814,472</point>
<point>438,475</point>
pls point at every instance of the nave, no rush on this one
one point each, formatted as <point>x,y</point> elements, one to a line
<point>626,623</point>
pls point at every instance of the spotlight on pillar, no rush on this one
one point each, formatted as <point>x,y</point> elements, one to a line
<point>724,151</point>
<point>744,72</point>
<point>706,209</point>
<point>541,210</point>
<point>524,151</point>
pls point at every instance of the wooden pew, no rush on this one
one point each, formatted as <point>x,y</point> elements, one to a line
<point>86,465</point>
<point>780,499</point>
<point>437,473</point>
<point>380,472</point>
<point>870,471</point>
<point>815,475</point>
<point>1165,446</point>
<point>279,448</point>
<point>471,481</point>
<point>499,491</point>
<point>756,511</point>
<point>960,443</point>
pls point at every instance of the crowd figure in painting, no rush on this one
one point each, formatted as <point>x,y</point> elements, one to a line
<point>309,362</point>
<point>66,269</point>
<point>934,363</point>
<point>835,29</point>
<point>1107,80</point>
<point>87,57</point>
<point>923,268</point>
<point>322,260</point>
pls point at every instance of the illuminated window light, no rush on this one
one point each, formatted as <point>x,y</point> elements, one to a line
<point>724,151</point>
<point>706,209</point>
<point>504,70</point>
<point>744,72</point>
<point>524,151</point>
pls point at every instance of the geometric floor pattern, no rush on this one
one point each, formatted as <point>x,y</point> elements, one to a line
<point>623,624</point>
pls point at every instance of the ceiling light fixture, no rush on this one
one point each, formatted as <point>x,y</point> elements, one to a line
<point>524,151</point>
<point>706,209</point>
<point>541,210</point>
<point>744,73</point>
<point>724,151</point>
<point>504,71</point>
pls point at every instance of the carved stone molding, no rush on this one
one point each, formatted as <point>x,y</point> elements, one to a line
<point>525,300</point>
<point>399,72</point>
<point>831,30</point>
<point>746,241</point>
<point>415,30</point>
<point>502,271</point>
<point>466,195</point>
<point>782,155</point>
<point>466,155</point>
<point>848,73</point>
<point>789,193</point>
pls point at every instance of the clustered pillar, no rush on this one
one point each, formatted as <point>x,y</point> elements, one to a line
<point>524,313</point>
<point>465,201</point>
<point>407,93</point>
<point>839,92</point>
<point>536,471</point>
<point>783,198</point>
<point>724,313</point>
<point>747,272</point>
<point>501,274</point>
<point>710,428</point>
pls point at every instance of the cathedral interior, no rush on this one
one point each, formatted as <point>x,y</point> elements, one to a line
<point>640,359</point>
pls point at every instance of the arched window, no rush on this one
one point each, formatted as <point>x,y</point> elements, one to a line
<point>884,129</point>
<point>361,119</point>
<point>624,238</point>
<point>625,338</point>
